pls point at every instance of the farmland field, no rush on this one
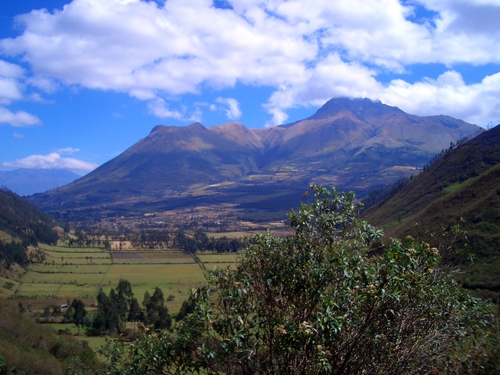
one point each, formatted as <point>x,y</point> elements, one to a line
<point>68,273</point>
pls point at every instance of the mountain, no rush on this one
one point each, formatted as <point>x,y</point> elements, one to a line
<point>462,188</point>
<point>31,181</point>
<point>351,143</point>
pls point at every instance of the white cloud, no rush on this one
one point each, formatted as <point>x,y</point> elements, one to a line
<point>68,150</point>
<point>10,87</point>
<point>332,77</point>
<point>18,119</point>
<point>233,111</point>
<point>159,108</point>
<point>51,161</point>
<point>196,116</point>
<point>448,94</point>
<point>18,136</point>
<point>43,83</point>
<point>307,53</point>
<point>9,70</point>
<point>10,90</point>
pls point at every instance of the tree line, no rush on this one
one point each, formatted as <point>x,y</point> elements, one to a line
<point>151,239</point>
<point>119,307</point>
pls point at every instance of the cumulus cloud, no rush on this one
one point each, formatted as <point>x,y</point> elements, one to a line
<point>308,54</point>
<point>53,160</point>
<point>476,103</point>
<point>10,70</point>
<point>18,119</point>
<point>233,111</point>
<point>10,87</point>
<point>158,107</point>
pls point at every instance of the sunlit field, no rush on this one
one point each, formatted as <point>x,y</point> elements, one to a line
<point>69,273</point>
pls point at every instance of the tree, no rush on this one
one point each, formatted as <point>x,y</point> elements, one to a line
<point>124,287</point>
<point>156,312</point>
<point>79,313</point>
<point>135,313</point>
<point>321,301</point>
<point>67,229</point>
<point>120,304</point>
<point>106,319</point>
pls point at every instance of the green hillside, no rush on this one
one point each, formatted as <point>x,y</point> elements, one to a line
<point>29,348</point>
<point>21,224</point>
<point>20,218</point>
<point>461,187</point>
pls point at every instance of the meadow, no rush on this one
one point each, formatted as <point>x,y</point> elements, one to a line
<point>68,273</point>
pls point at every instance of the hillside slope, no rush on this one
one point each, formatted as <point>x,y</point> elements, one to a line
<point>31,348</point>
<point>462,187</point>
<point>21,219</point>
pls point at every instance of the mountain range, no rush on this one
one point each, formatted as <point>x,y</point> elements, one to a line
<point>354,144</point>
<point>32,181</point>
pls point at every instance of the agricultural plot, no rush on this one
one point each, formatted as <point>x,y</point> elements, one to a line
<point>69,273</point>
<point>221,260</point>
<point>152,257</point>
<point>72,250</point>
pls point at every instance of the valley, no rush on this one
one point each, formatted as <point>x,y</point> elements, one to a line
<point>131,242</point>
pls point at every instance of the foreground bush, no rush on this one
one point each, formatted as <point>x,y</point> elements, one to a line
<point>319,301</point>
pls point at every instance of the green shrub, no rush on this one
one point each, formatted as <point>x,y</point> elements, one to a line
<point>320,301</point>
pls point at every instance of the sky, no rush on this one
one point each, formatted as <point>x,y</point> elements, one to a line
<point>83,80</point>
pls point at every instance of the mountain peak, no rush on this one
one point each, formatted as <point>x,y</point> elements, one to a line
<point>197,126</point>
<point>350,143</point>
<point>361,107</point>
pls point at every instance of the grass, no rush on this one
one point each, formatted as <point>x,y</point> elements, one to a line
<point>5,236</point>
<point>218,258</point>
<point>95,342</point>
<point>7,287</point>
<point>68,273</point>
<point>71,250</point>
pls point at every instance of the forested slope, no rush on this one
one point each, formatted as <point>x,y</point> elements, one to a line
<point>460,188</point>
<point>21,224</point>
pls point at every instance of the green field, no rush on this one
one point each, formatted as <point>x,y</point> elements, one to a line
<point>229,258</point>
<point>69,273</point>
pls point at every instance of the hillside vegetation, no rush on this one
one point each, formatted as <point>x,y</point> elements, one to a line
<point>23,220</point>
<point>29,348</point>
<point>21,225</point>
<point>460,188</point>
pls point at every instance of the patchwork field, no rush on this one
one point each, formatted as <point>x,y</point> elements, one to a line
<point>68,273</point>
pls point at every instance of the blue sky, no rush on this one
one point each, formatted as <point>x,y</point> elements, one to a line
<point>82,80</point>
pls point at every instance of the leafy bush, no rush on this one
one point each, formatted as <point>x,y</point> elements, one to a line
<point>319,301</point>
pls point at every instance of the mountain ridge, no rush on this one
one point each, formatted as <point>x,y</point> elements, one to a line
<point>31,181</point>
<point>174,161</point>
